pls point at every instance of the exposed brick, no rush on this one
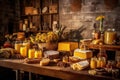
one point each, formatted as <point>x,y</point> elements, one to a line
<point>86,17</point>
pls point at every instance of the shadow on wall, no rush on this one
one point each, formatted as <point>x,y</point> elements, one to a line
<point>75,35</point>
<point>117,24</point>
<point>2,39</point>
<point>10,26</point>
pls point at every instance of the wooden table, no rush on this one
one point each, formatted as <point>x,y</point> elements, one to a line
<point>53,71</point>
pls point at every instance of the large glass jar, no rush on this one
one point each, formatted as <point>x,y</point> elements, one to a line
<point>110,36</point>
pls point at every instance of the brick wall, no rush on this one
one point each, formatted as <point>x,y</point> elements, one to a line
<point>77,15</point>
<point>81,15</point>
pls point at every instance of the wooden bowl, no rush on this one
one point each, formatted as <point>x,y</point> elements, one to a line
<point>48,45</point>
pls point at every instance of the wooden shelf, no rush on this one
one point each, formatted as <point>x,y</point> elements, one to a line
<point>48,13</point>
<point>42,21</point>
<point>106,47</point>
<point>30,15</point>
<point>45,31</point>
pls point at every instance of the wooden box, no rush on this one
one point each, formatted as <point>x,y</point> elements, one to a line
<point>28,10</point>
<point>53,8</point>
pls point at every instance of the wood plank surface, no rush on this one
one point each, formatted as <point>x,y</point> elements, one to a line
<point>53,71</point>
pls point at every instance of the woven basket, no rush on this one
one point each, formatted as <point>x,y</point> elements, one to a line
<point>48,46</point>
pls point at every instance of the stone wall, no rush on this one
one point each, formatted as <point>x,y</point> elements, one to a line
<point>80,15</point>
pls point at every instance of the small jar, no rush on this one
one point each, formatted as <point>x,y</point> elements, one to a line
<point>102,53</point>
<point>115,73</point>
<point>27,44</point>
<point>110,64</point>
<point>96,34</point>
<point>110,36</point>
<point>23,51</point>
<point>93,63</point>
<point>21,25</point>
<point>38,53</point>
<point>17,45</point>
<point>118,63</point>
<point>65,59</point>
<point>101,62</point>
<point>31,53</point>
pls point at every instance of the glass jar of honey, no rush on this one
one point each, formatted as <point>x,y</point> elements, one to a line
<point>102,52</point>
<point>31,53</point>
<point>110,36</point>
<point>93,63</point>
<point>23,51</point>
<point>38,53</point>
<point>101,62</point>
<point>17,45</point>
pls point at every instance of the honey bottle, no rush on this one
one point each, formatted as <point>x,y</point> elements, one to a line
<point>102,52</point>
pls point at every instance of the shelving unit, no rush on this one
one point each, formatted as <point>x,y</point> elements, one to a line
<point>47,13</point>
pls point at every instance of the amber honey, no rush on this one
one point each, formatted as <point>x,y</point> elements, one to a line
<point>101,62</point>
<point>110,36</point>
<point>23,51</point>
<point>17,46</point>
<point>31,53</point>
<point>93,63</point>
<point>38,54</point>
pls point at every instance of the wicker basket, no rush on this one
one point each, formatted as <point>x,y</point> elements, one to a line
<point>48,46</point>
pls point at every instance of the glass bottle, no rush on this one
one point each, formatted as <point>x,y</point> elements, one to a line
<point>102,52</point>
<point>95,34</point>
<point>98,62</point>
<point>20,25</point>
<point>102,57</point>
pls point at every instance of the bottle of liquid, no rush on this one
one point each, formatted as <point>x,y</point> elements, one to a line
<point>102,57</point>
<point>102,52</point>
